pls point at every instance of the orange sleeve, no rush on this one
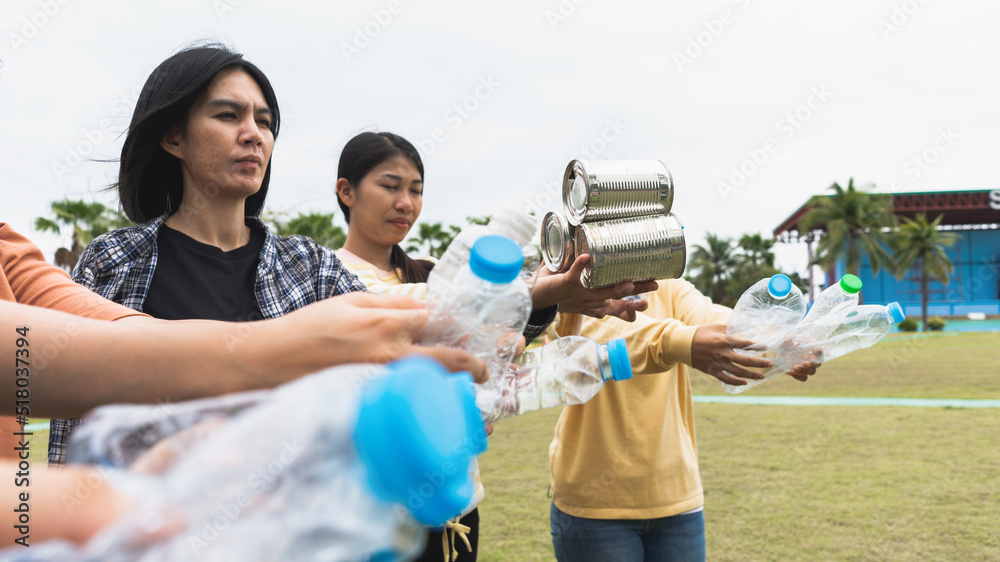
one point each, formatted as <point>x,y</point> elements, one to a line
<point>26,278</point>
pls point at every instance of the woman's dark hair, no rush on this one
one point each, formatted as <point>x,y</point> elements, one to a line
<point>361,154</point>
<point>149,178</point>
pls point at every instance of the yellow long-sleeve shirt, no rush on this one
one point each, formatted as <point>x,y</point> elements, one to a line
<point>630,452</point>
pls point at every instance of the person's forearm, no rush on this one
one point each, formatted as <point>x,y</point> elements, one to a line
<point>70,365</point>
<point>47,515</point>
<point>74,364</point>
<point>654,345</point>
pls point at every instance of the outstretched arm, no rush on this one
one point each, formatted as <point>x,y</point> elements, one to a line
<point>75,364</point>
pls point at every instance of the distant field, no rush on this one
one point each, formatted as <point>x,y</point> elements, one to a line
<point>812,483</point>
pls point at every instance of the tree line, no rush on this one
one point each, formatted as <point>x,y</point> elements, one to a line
<point>851,223</point>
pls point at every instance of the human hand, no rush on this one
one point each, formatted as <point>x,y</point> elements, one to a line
<point>368,328</point>
<point>567,290</point>
<point>804,370</point>
<point>712,351</point>
<point>798,358</point>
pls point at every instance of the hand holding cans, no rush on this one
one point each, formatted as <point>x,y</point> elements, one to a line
<point>617,211</point>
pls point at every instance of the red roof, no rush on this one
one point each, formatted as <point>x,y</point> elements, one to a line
<point>980,206</point>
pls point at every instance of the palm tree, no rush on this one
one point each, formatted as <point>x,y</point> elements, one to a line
<point>432,239</point>
<point>853,221</point>
<point>713,263</point>
<point>318,226</point>
<point>757,250</point>
<point>919,243</point>
<point>88,221</point>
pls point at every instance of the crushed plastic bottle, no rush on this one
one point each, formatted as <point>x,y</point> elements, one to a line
<point>766,312</point>
<point>486,308</point>
<point>845,293</point>
<point>568,371</point>
<point>327,467</point>
<point>840,332</point>
<point>843,330</point>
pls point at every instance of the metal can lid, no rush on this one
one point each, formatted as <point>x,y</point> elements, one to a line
<point>576,192</point>
<point>557,241</point>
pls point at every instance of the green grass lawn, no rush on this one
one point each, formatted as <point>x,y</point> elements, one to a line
<point>811,483</point>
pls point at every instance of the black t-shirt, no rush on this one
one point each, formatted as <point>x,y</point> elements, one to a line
<point>198,281</point>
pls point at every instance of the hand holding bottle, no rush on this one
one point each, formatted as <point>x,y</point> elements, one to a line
<point>715,352</point>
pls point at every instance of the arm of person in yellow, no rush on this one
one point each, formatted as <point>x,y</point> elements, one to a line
<point>712,350</point>
<point>670,333</point>
<point>70,365</point>
<point>654,345</point>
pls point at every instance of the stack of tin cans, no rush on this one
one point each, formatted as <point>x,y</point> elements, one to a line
<point>618,212</point>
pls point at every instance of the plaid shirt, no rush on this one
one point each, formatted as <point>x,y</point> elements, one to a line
<point>294,271</point>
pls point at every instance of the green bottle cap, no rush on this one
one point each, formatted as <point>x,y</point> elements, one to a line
<point>850,283</point>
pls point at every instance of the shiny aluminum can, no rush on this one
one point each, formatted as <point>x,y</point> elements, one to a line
<point>639,248</point>
<point>611,189</point>
<point>558,237</point>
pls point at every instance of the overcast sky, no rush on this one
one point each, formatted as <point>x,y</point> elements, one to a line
<point>500,96</point>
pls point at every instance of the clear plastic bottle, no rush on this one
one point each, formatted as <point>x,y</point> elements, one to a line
<point>766,312</point>
<point>517,226</point>
<point>328,467</point>
<point>484,311</point>
<point>568,371</point>
<point>845,293</point>
<point>843,330</point>
<point>840,332</point>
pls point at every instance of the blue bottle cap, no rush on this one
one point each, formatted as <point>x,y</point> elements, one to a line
<point>496,259</point>
<point>896,312</point>
<point>410,425</point>
<point>779,286</point>
<point>621,365</point>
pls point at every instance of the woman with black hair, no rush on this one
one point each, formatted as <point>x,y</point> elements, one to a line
<point>193,176</point>
<point>380,182</point>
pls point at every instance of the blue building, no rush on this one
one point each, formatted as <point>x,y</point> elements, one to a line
<point>974,287</point>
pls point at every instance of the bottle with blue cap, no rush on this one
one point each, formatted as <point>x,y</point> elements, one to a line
<point>841,331</point>
<point>766,312</point>
<point>485,308</point>
<point>565,372</point>
<point>516,225</point>
<point>351,463</point>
